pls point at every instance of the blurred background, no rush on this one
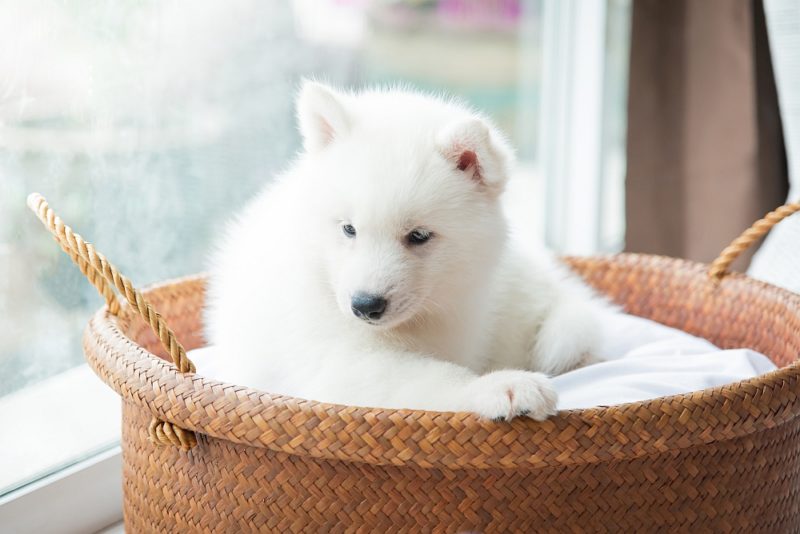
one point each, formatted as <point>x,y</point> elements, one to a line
<point>644,125</point>
<point>147,124</point>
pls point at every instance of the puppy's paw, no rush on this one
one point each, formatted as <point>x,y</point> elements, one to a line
<point>508,394</point>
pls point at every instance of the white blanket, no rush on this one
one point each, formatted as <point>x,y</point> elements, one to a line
<point>644,360</point>
<point>641,360</point>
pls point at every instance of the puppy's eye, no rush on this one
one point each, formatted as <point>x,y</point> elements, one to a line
<point>349,230</point>
<point>418,237</point>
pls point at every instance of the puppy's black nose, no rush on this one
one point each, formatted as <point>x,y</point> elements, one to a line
<point>368,307</point>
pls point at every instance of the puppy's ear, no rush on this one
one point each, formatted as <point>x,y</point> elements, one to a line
<point>322,115</point>
<point>480,153</point>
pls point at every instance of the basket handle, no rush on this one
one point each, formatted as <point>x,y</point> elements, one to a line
<point>719,267</point>
<point>105,277</point>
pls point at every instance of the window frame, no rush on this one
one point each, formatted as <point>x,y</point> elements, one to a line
<point>85,497</point>
<point>571,158</point>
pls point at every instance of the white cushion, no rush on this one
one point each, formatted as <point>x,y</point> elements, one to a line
<point>644,360</point>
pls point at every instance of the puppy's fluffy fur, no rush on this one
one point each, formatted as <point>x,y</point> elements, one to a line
<point>396,195</point>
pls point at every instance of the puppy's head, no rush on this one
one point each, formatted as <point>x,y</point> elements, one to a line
<point>406,192</point>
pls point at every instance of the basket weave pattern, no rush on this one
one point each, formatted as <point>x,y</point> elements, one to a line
<point>721,459</point>
<point>218,457</point>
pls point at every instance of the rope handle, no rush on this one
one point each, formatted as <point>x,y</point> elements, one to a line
<point>105,277</point>
<point>719,267</point>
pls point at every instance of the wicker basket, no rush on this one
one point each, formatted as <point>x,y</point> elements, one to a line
<point>241,460</point>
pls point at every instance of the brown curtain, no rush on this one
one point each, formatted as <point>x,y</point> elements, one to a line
<point>705,149</point>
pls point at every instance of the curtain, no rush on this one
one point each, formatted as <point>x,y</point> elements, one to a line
<point>705,149</point>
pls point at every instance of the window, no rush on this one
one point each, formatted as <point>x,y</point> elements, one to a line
<point>147,124</point>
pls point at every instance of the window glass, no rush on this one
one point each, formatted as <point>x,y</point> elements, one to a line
<point>147,124</point>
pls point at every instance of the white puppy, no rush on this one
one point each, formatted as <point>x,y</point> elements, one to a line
<point>376,271</point>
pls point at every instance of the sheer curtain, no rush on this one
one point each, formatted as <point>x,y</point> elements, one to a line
<point>778,260</point>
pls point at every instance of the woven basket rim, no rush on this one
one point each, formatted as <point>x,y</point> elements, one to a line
<point>379,436</point>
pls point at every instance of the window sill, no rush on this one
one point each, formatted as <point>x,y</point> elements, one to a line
<point>85,497</point>
<point>55,423</point>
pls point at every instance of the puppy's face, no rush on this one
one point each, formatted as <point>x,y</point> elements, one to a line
<point>398,248</point>
<point>409,219</point>
<point>384,270</point>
